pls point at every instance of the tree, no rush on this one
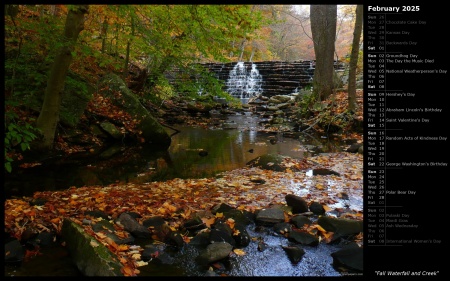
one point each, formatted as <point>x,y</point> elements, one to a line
<point>354,58</point>
<point>49,115</point>
<point>323,30</point>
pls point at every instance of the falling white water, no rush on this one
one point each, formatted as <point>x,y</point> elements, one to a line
<point>244,85</point>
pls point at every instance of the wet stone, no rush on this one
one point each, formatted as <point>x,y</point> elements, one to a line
<point>350,258</point>
<point>282,228</point>
<point>214,252</point>
<point>270,216</point>
<point>242,238</point>
<point>298,204</point>
<point>303,238</point>
<point>102,225</point>
<point>295,253</point>
<point>300,220</point>
<point>153,221</point>
<point>324,172</point>
<point>194,225</point>
<point>220,235</point>
<point>201,239</point>
<point>316,208</point>
<point>14,252</point>
<point>221,208</point>
<point>238,216</point>
<point>97,214</point>
<point>132,226</point>
<point>340,227</point>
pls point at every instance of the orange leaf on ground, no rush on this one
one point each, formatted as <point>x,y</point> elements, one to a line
<point>208,221</point>
<point>127,271</point>
<point>122,247</point>
<point>239,252</point>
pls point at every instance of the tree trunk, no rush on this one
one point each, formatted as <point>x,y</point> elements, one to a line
<point>49,115</point>
<point>104,34</point>
<point>323,30</point>
<point>242,48</point>
<point>127,56</point>
<point>354,58</point>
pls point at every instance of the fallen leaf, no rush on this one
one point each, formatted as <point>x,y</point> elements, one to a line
<point>127,271</point>
<point>141,263</point>
<point>239,252</point>
<point>208,221</point>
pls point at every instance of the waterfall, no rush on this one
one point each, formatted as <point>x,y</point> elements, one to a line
<point>244,85</point>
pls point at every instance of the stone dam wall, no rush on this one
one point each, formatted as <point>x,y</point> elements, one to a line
<point>268,78</point>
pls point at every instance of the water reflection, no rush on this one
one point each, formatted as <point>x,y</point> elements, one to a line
<point>222,150</point>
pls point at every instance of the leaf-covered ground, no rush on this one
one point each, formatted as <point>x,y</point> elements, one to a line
<point>178,199</point>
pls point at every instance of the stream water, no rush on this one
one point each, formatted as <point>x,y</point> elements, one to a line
<point>226,150</point>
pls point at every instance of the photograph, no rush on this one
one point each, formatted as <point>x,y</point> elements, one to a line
<point>223,140</point>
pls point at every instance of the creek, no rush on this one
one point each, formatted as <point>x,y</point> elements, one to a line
<point>226,149</point>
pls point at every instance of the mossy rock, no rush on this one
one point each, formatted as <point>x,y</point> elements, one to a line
<point>91,257</point>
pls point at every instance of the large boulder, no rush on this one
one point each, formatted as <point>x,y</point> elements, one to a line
<point>152,131</point>
<point>91,257</point>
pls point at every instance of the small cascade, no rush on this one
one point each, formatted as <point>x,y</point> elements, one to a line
<point>243,84</point>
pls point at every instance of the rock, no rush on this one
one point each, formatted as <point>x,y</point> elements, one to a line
<point>122,97</point>
<point>350,258</point>
<point>153,221</point>
<point>45,238</point>
<point>242,238</point>
<point>221,235</point>
<point>282,228</point>
<point>91,257</point>
<point>194,225</point>
<point>361,149</point>
<point>214,252</point>
<point>268,162</point>
<point>112,130</point>
<point>159,228</point>
<point>270,216</point>
<point>297,203</point>
<point>294,253</point>
<point>151,251</point>
<point>221,208</point>
<point>354,147</point>
<point>102,225</point>
<point>132,226</point>
<point>303,238</point>
<point>299,221</point>
<point>258,180</point>
<point>14,252</point>
<point>97,214</point>
<point>38,202</point>
<point>262,246</point>
<point>240,217</point>
<point>174,238</point>
<point>316,208</point>
<point>340,227</point>
<point>201,239</point>
<point>324,172</point>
